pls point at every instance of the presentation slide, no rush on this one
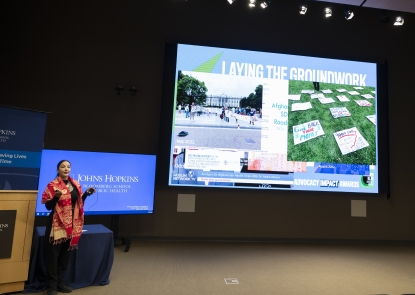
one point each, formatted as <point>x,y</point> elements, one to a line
<point>124,183</point>
<point>273,121</point>
<point>21,142</point>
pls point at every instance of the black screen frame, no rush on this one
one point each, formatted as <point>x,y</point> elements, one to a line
<point>166,115</point>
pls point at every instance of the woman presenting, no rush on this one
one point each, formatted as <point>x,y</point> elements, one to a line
<point>64,197</point>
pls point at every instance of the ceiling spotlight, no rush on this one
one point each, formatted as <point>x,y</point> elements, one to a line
<point>133,91</point>
<point>119,89</point>
<point>348,14</point>
<point>328,11</point>
<point>384,18</point>
<point>251,3</point>
<point>231,1</point>
<point>265,4</point>
<point>303,9</point>
<point>398,21</point>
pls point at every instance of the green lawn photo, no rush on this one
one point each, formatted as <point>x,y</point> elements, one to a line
<point>325,148</point>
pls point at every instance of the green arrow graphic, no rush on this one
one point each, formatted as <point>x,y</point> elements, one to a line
<point>208,66</point>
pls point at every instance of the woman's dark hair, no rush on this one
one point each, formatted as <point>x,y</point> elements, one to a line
<point>60,162</point>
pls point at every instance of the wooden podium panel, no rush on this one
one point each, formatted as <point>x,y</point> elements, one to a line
<point>14,270</point>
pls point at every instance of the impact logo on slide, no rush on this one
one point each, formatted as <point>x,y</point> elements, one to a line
<point>329,183</point>
<point>326,183</point>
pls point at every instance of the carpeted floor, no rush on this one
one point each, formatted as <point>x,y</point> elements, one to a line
<point>187,267</point>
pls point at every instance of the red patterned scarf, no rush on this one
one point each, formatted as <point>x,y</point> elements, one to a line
<point>62,226</point>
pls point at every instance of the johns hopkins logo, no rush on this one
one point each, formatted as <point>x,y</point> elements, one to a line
<point>4,134</point>
<point>7,132</point>
<point>3,226</point>
<point>190,174</point>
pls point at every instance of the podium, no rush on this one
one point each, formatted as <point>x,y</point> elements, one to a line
<point>15,267</point>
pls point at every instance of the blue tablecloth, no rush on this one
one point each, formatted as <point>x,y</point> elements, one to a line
<point>89,265</point>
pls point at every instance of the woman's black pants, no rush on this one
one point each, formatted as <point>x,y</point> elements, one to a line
<point>57,258</point>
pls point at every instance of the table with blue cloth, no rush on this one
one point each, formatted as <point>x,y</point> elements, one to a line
<point>89,265</point>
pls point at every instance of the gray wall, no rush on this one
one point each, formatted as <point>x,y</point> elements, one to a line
<point>66,57</point>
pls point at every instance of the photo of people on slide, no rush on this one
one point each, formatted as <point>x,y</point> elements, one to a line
<point>213,111</point>
<point>331,123</point>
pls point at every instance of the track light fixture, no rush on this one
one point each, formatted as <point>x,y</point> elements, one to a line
<point>265,4</point>
<point>348,14</point>
<point>398,21</point>
<point>384,18</point>
<point>303,9</point>
<point>133,91</point>
<point>328,12</point>
<point>119,89</point>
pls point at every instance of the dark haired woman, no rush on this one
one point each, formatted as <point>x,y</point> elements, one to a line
<point>64,197</point>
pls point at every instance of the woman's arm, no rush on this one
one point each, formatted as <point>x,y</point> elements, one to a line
<point>50,205</point>
<point>87,193</point>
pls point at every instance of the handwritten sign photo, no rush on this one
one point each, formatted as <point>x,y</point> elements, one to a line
<point>368,96</point>
<point>317,95</point>
<point>343,98</point>
<point>372,118</point>
<point>307,131</point>
<point>294,96</point>
<point>350,140</point>
<point>339,112</point>
<point>363,103</point>
<point>301,106</point>
<point>325,100</point>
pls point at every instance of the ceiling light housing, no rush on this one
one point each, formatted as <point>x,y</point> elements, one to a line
<point>231,1</point>
<point>384,18</point>
<point>303,9</point>
<point>251,3</point>
<point>398,21</point>
<point>265,4</point>
<point>348,14</point>
<point>328,12</point>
